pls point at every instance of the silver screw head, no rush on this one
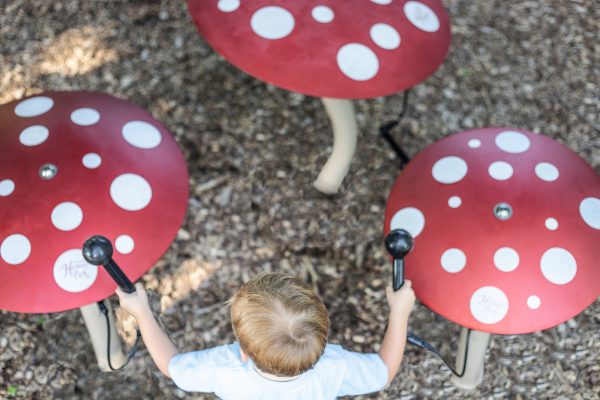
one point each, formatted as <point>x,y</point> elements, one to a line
<point>48,171</point>
<point>503,211</point>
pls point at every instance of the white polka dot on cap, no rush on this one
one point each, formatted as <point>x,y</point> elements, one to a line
<point>589,209</point>
<point>385,36</point>
<point>449,169</point>
<point>85,116</point>
<point>15,249</point>
<point>34,106</point>
<point>453,260</point>
<point>72,273</point>
<point>228,5</point>
<point>7,186</point>
<point>506,259</point>
<point>357,61</point>
<point>551,224</point>
<point>474,143</point>
<point>323,14</point>
<point>141,134</point>
<point>91,160</point>
<point>454,201</point>
<point>124,244</point>
<point>489,305</point>
<point>421,16</point>
<point>558,265</point>
<point>67,216</point>
<point>512,142</point>
<point>546,171</point>
<point>500,170</point>
<point>34,135</point>
<point>272,22</point>
<point>131,192</point>
<point>410,219</point>
<point>533,302</point>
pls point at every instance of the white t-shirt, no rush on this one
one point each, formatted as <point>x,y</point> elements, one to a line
<point>220,370</point>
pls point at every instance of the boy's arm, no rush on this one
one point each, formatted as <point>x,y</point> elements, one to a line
<point>394,340</point>
<point>157,342</point>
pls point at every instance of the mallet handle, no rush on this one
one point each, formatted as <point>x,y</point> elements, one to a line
<point>398,273</point>
<point>119,276</point>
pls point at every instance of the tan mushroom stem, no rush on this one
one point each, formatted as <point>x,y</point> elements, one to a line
<point>95,322</point>
<point>475,357</point>
<point>345,132</point>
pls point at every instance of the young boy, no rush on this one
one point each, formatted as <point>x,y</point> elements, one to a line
<point>281,326</point>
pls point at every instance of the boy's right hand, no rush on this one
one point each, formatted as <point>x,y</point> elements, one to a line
<point>135,303</point>
<point>402,300</point>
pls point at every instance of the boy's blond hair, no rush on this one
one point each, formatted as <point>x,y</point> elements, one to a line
<point>281,323</point>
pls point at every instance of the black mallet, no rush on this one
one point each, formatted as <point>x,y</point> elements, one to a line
<point>398,243</point>
<point>98,250</point>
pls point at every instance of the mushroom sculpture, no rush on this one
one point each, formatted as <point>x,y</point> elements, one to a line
<point>506,226</point>
<point>74,165</point>
<point>336,50</point>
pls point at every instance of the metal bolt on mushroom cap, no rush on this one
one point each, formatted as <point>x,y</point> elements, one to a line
<point>342,49</point>
<point>73,165</point>
<point>506,225</point>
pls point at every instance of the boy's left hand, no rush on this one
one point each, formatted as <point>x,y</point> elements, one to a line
<point>135,303</point>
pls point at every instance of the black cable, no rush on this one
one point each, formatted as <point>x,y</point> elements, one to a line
<point>132,351</point>
<point>417,341</point>
<point>385,129</point>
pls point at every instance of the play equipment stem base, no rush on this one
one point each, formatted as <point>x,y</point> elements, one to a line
<point>477,347</point>
<point>345,133</point>
<point>95,321</point>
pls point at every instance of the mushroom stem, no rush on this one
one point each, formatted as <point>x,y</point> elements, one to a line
<point>95,321</point>
<point>474,351</point>
<point>345,132</point>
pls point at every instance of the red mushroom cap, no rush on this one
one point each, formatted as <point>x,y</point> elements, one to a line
<point>74,165</point>
<point>342,49</point>
<point>506,225</point>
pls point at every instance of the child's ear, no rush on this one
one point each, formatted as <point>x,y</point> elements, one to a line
<point>243,355</point>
